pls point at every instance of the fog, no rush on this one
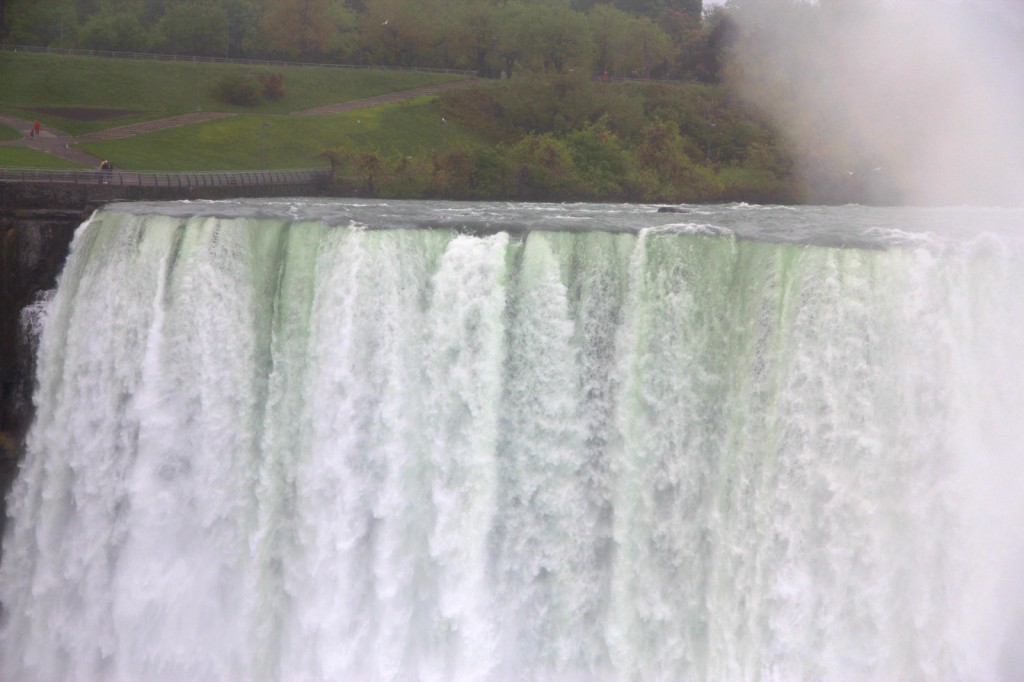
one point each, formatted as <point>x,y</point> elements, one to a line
<point>898,101</point>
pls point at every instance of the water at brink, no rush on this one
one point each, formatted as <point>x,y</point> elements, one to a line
<point>295,440</point>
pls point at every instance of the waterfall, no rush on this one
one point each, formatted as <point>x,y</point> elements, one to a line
<point>274,447</point>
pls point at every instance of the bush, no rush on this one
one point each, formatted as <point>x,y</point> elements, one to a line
<point>544,168</point>
<point>601,160</point>
<point>273,86</point>
<point>238,89</point>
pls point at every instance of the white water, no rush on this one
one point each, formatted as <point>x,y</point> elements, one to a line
<point>280,448</point>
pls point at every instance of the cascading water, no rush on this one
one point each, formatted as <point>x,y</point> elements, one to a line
<point>524,443</point>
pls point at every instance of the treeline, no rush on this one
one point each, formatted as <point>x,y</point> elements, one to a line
<point>667,39</point>
<point>567,138</point>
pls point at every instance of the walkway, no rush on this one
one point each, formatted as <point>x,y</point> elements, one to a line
<point>56,143</point>
<point>133,129</point>
<point>49,141</point>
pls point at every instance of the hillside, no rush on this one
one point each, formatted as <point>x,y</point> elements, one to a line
<point>536,137</point>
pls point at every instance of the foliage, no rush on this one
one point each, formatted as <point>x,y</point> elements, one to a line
<point>652,51</point>
<point>192,28</point>
<point>240,89</point>
<point>556,140</point>
<point>36,23</point>
<point>663,153</point>
<point>648,38</point>
<point>629,46</point>
<point>272,84</point>
<point>298,28</point>
<point>566,139</point>
<point>113,30</point>
<point>243,18</point>
<point>474,39</point>
<point>602,161</point>
<point>565,135</point>
<point>453,173</point>
<point>557,39</point>
<point>544,168</point>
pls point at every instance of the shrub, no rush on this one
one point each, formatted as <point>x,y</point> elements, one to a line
<point>273,85</point>
<point>544,168</point>
<point>601,160</point>
<point>238,89</point>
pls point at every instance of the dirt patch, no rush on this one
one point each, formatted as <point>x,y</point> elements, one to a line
<point>81,114</point>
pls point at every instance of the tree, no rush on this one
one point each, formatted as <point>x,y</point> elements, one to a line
<point>720,40</point>
<point>113,30</point>
<point>29,22</point>
<point>400,32</point>
<point>298,27</point>
<point>695,8</point>
<point>242,18</point>
<point>625,45</point>
<point>608,29</point>
<point>192,28</point>
<point>556,38</point>
<point>652,8</point>
<point>688,36</point>
<point>475,36</point>
<point>343,42</point>
<point>510,24</point>
<point>86,8</point>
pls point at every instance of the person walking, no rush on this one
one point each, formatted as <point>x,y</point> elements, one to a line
<point>106,171</point>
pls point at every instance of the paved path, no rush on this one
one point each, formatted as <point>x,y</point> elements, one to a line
<point>56,143</point>
<point>149,126</point>
<point>49,141</point>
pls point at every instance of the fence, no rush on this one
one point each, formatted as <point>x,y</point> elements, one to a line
<point>309,176</point>
<point>218,60</point>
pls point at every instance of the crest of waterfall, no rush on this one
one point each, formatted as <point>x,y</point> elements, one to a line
<point>272,447</point>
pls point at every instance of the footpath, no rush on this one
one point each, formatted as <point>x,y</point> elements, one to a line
<point>49,141</point>
<point>56,143</point>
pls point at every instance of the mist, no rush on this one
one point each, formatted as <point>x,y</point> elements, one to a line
<point>895,102</point>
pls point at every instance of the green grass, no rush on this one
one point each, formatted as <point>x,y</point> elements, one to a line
<point>161,89</point>
<point>7,133</point>
<point>19,157</point>
<point>242,142</point>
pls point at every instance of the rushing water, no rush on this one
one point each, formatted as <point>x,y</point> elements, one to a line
<point>428,441</point>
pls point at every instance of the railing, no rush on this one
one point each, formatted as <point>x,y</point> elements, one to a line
<point>149,179</point>
<point>219,60</point>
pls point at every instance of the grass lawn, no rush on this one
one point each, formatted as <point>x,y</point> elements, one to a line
<point>19,157</point>
<point>243,142</point>
<point>8,133</point>
<point>29,81</point>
